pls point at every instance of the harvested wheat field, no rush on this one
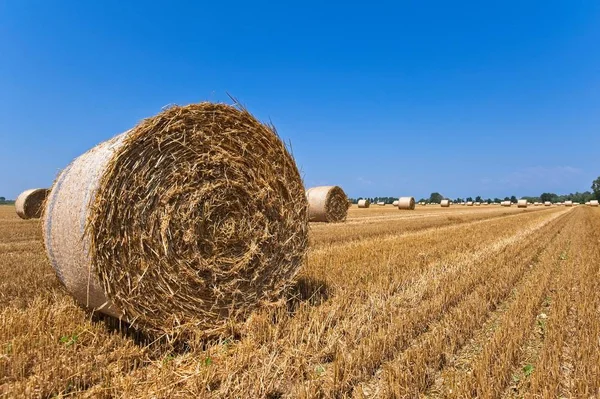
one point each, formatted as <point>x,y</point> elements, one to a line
<point>439,302</point>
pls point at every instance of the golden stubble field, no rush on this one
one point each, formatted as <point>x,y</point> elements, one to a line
<point>463,302</point>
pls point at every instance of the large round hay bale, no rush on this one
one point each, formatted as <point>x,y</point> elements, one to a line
<point>395,203</point>
<point>547,203</point>
<point>406,203</point>
<point>522,203</point>
<point>477,203</point>
<point>381,203</point>
<point>594,203</point>
<point>192,218</point>
<point>30,203</point>
<point>364,203</point>
<point>506,203</point>
<point>470,203</point>
<point>445,203</point>
<point>327,204</point>
<point>568,203</point>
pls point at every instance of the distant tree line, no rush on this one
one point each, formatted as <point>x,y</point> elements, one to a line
<point>4,201</point>
<point>436,198</point>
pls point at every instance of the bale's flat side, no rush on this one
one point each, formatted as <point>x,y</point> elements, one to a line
<point>445,203</point>
<point>67,210</point>
<point>395,203</point>
<point>364,203</point>
<point>327,204</point>
<point>522,204</point>
<point>406,203</point>
<point>30,203</point>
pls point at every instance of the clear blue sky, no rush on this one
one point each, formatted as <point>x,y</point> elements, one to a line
<point>398,98</point>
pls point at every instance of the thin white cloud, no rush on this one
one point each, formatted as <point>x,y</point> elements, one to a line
<point>534,176</point>
<point>364,181</point>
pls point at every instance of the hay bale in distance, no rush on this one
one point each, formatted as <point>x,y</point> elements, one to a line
<point>522,203</point>
<point>477,203</point>
<point>470,203</point>
<point>594,203</point>
<point>547,203</point>
<point>364,203</point>
<point>445,203</point>
<point>381,203</point>
<point>406,203</point>
<point>327,204</point>
<point>395,203</point>
<point>568,203</point>
<point>506,203</point>
<point>192,218</point>
<point>30,203</point>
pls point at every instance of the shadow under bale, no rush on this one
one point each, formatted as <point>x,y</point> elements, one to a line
<point>308,290</point>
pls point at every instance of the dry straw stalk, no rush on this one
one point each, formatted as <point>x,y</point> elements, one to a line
<point>193,217</point>
<point>327,204</point>
<point>30,203</point>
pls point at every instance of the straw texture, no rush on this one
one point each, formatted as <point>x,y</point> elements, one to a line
<point>30,203</point>
<point>407,203</point>
<point>195,216</point>
<point>327,204</point>
<point>363,203</point>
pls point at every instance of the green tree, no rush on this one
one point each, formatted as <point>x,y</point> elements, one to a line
<point>513,199</point>
<point>469,199</point>
<point>596,188</point>
<point>478,199</point>
<point>435,198</point>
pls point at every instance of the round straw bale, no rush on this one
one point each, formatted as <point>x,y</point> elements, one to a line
<point>594,203</point>
<point>445,203</point>
<point>477,203</point>
<point>381,203</point>
<point>395,203</point>
<point>568,203</point>
<point>547,203</point>
<point>470,203</point>
<point>364,203</point>
<point>192,218</point>
<point>522,203</point>
<point>327,204</point>
<point>407,203</point>
<point>30,203</point>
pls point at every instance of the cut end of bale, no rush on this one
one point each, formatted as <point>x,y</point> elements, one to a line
<point>327,204</point>
<point>30,203</point>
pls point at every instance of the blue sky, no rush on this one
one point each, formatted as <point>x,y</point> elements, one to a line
<point>399,98</point>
